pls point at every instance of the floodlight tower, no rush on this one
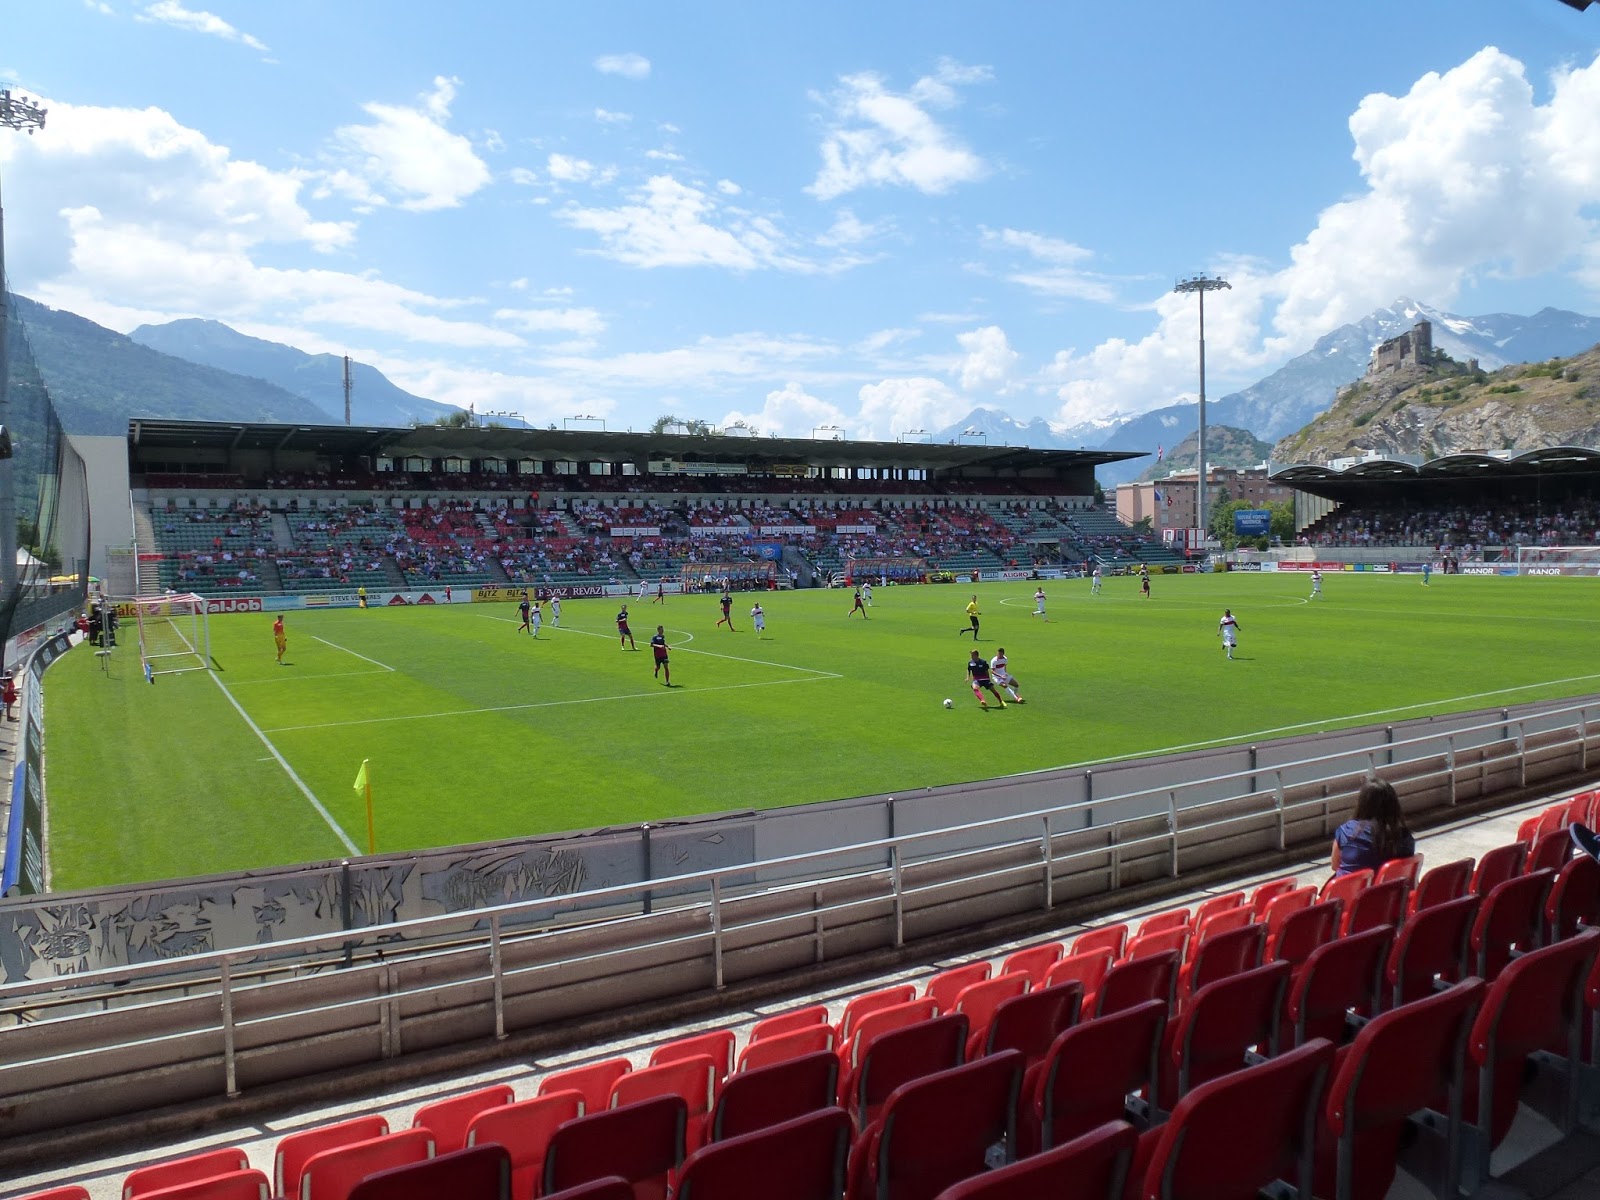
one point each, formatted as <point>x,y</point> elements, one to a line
<point>1201,284</point>
<point>16,112</point>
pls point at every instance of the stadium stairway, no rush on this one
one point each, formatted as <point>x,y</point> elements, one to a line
<point>1532,1163</point>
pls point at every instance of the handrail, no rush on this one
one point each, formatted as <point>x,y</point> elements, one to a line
<point>273,953</point>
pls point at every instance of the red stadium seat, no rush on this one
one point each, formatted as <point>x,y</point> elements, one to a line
<point>1164,922</point>
<point>1343,976</point>
<point>1034,962</point>
<point>1091,1167</point>
<point>805,1158</point>
<point>1497,866</point>
<point>1399,1064</point>
<point>1091,1071</point>
<point>1108,937</point>
<point>978,1002</point>
<point>692,1079</point>
<point>1406,869</point>
<point>784,1046</point>
<point>448,1119</point>
<point>870,1003</point>
<point>1345,888</point>
<point>233,1185</point>
<point>756,1099</point>
<point>1209,908</point>
<point>1221,956</point>
<point>900,1056</point>
<point>331,1174</point>
<point>1451,881</point>
<point>715,1044</point>
<point>70,1191</point>
<point>1087,970</point>
<point>1133,982</point>
<point>1301,930</point>
<point>1431,946</point>
<point>937,1131</point>
<point>1030,1024</point>
<point>1242,1132</point>
<point>1227,920</point>
<point>1381,905</point>
<point>1167,941</point>
<point>1222,1026</point>
<point>642,1143</point>
<point>593,1082</point>
<point>788,1022</point>
<point>190,1167</point>
<point>1550,851</point>
<point>295,1149</point>
<point>481,1173</point>
<point>1574,899</point>
<point>881,1021</point>
<point>525,1129</point>
<point>613,1187</point>
<point>944,987</point>
<point>1508,922</point>
<point>1279,909</point>
<point>1266,893</point>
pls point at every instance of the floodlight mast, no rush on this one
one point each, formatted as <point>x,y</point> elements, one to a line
<point>16,112</point>
<point>1201,284</point>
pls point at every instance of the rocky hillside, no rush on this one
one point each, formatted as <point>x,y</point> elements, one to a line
<point>1446,408</point>
<point>1225,447</point>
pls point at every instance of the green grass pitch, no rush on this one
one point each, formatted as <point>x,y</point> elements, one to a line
<point>476,732</point>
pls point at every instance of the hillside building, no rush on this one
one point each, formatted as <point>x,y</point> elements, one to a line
<point>1414,347</point>
<point>1170,502</point>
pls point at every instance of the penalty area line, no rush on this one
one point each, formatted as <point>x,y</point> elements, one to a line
<point>347,650</point>
<point>290,771</point>
<point>681,648</point>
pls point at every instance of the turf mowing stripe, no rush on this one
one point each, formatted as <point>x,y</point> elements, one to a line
<point>347,650</point>
<point>284,763</point>
<point>307,678</point>
<point>678,690</point>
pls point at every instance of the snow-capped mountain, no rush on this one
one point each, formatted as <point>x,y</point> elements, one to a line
<point>1291,397</point>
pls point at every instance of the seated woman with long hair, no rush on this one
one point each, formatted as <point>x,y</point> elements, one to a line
<point>1376,834</point>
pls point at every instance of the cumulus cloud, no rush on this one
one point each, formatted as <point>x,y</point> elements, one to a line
<point>170,12</point>
<point>790,411</point>
<point>607,117</point>
<point>896,406</point>
<point>988,362</point>
<point>406,153</point>
<point>629,66</point>
<point>708,362</point>
<point>1052,267</point>
<point>579,322</point>
<point>878,137</point>
<point>564,168</point>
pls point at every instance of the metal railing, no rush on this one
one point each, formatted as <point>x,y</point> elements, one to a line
<point>225,1020</point>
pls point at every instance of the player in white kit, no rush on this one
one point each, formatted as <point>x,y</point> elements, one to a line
<point>555,612</point>
<point>1094,585</point>
<point>1038,604</point>
<point>1228,630</point>
<point>1316,584</point>
<point>866,592</point>
<point>536,615</point>
<point>1002,676</point>
<point>758,615</point>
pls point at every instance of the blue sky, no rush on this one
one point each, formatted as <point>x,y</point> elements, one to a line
<point>875,216</point>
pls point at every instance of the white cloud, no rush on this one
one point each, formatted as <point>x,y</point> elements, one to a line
<point>790,411</point>
<point>849,230</point>
<point>629,66</point>
<point>664,155</point>
<point>101,7</point>
<point>988,362</point>
<point>582,322</point>
<point>896,406</point>
<point>707,363</point>
<point>406,152</point>
<point>170,12</point>
<point>883,138</point>
<point>492,141</point>
<point>1055,266</point>
<point>519,285</point>
<point>673,224</point>
<point>876,343</point>
<point>563,168</point>
<point>523,177</point>
<point>728,187</point>
<point>607,117</point>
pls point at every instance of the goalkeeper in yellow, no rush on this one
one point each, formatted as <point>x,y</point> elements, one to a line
<point>280,638</point>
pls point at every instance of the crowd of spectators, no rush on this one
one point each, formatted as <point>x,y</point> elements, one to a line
<point>1460,530</point>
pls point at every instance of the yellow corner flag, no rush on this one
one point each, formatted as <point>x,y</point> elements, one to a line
<point>364,786</point>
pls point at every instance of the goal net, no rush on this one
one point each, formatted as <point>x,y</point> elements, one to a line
<point>742,575</point>
<point>1558,560</point>
<point>883,571</point>
<point>173,633</point>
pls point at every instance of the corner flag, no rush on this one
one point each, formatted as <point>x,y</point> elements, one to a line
<point>363,786</point>
<point>361,777</point>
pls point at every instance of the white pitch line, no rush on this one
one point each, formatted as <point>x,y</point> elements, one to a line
<point>293,678</point>
<point>1325,721</point>
<point>347,650</point>
<point>284,763</point>
<point>680,690</point>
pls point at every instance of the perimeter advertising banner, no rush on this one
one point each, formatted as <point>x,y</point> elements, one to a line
<point>1252,522</point>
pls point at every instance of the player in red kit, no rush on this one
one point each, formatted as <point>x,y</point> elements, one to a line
<point>624,634</point>
<point>658,646</point>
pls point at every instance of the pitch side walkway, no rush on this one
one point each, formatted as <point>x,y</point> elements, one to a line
<point>1534,1165</point>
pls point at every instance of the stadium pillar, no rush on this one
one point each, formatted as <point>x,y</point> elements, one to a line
<point>1201,284</point>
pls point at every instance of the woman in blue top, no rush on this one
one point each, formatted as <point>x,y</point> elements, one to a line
<point>1376,834</point>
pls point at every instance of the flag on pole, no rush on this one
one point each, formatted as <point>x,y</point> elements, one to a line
<point>364,789</point>
<point>361,777</point>
<point>1158,495</point>
<point>1160,453</point>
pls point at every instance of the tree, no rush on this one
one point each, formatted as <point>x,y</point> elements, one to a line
<point>1099,495</point>
<point>1282,520</point>
<point>1144,525</point>
<point>688,424</point>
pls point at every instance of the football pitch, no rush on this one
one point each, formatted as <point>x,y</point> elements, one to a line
<point>475,731</point>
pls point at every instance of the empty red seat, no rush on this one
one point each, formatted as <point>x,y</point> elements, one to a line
<point>978,1002</point>
<point>715,1044</point>
<point>1549,852</point>
<point>642,1143</point>
<point>1221,1026</point>
<point>944,987</point>
<point>1431,946</point>
<point>692,1079</point>
<point>70,1191</point>
<point>1497,866</point>
<point>1227,920</point>
<point>1086,970</point>
<point>1165,922</point>
<point>1345,888</point>
<point>765,1096</point>
<point>805,1158</point>
<point>1091,1071</point>
<point>1451,881</point>
<point>1266,893</point>
<point>1218,957</point>
<point>593,1082</point>
<point>1573,902</point>
<point>884,1020</point>
<point>1034,962</point>
<point>1166,941</point>
<point>295,1149</point>
<point>1091,1167</point>
<point>1382,904</point>
<point>613,1187</point>
<point>1405,869</point>
<point>1210,907</point>
<point>1030,1024</point>
<point>784,1046</point>
<point>1399,1064</point>
<point>186,1169</point>
<point>900,1056</point>
<point>331,1174</point>
<point>480,1173</point>
<point>234,1185</point>
<point>448,1119</point>
<point>1279,909</point>
<point>1107,937</point>
<point>1508,922</point>
<point>870,1003</point>
<point>1301,931</point>
<point>1343,976</point>
<point>937,1131</point>
<point>525,1128</point>
<point>1242,1132</point>
<point>788,1022</point>
<point>1133,982</point>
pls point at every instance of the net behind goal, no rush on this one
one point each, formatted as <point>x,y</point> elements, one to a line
<point>1558,560</point>
<point>173,633</point>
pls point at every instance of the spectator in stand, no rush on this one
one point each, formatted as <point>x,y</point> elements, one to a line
<point>1376,834</point>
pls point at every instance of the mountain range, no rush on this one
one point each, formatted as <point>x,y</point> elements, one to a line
<point>1292,396</point>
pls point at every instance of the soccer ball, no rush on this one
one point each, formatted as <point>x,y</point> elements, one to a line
<point>949,703</point>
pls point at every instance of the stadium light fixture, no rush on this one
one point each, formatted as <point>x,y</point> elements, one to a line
<point>835,433</point>
<point>972,433</point>
<point>915,435</point>
<point>584,420</point>
<point>1200,285</point>
<point>16,112</point>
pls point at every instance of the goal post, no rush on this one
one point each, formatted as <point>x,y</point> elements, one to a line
<point>904,569</point>
<point>174,635</point>
<point>1558,560</point>
<point>739,575</point>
